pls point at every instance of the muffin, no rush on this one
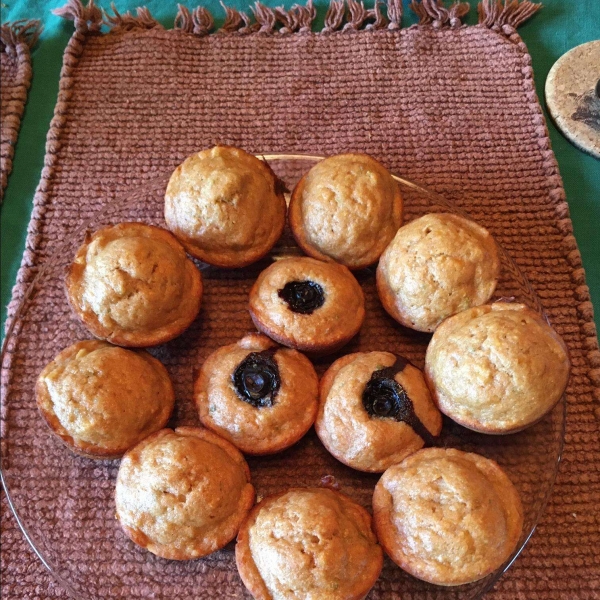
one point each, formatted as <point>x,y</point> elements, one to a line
<point>183,494</point>
<point>308,543</point>
<point>226,206</point>
<point>346,208</point>
<point>259,396</point>
<point>447,517</point>
<point>307,304</point>
<point>133,285</point>
<point>437,266</point>
<point>375,409</point>
<point>102,400</point>
<point>496,368</point>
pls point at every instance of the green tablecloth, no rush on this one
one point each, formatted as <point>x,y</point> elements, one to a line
<point>559,26</point>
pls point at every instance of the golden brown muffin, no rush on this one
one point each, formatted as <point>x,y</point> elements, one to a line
<point>375,410</point>
<point>308,543</point>
<point>307,304</point>
<point>133,285</point>
<point>447,517</point>
<point>496,368</point>
<point>348,208</point>
<point>183,494</point>
<point>102,400</point>
<point>435,267</point>
<point>226,206</point>
<point>259,396</point>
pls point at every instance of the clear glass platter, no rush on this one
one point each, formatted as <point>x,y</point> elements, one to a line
<point>64,503</point>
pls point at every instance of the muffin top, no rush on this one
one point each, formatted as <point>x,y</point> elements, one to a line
<point>348,208</point>
<point>308,543</point>
<point>496,368</point>
<point>447,517</point>
<point>307,304</point>
<point>132,284</point>
<point>182,494</point>
<point>436,266</point>
<point>259,396</point>
<point>225,206</point>
<point>375,410</point>
<point>102,400</point>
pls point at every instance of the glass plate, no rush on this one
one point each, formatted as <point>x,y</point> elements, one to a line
<point>64,504</point>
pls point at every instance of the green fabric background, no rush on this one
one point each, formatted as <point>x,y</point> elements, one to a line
<point>558,27</point>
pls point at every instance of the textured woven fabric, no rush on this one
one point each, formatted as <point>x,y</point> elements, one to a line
<point>452,108</point>
<point>15,70</point>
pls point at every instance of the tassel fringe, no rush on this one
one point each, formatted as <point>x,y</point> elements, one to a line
<point>506,15</point>
<point>19,32</point>
<point>503,16</point>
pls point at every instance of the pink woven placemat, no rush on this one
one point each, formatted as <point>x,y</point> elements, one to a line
<point>16,39</point>
<point>451,107</point>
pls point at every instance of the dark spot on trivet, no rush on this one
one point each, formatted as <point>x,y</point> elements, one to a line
<point>302,297</point>
<point>588,111</point>
<point>384,398</point>
<point>256,379</point>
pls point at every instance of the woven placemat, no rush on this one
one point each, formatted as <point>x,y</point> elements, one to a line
<point>451,107</point>
<point>16,39</point>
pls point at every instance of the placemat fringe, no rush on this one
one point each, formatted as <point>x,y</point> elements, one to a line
<point>506,15</point>
<point>199,22</point>
<point>433,12</point>
<point>127,22</point>
<point>86,18</point>
<point>25,31</point>
<point>503,16</point>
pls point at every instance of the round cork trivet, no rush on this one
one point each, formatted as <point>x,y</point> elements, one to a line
<point>572,96</point>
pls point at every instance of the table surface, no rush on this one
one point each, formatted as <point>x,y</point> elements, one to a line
<point>558,27</point>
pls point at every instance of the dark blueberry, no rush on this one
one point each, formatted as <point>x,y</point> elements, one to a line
<point>302,296</point>
<point>256,379</point>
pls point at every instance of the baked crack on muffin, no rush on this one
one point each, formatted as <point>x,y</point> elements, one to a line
<point>101,400</point>
<point>496,368</point>
<point>346,208</point>
<point>437,266</point>
<point>308,543</point>
<point>375,409</point>
<point>183,493</point>
<point>307,304</point>
<point>261,397</point>
<point>133,285</point>
<point>226,206</point>
<point>447,517</point>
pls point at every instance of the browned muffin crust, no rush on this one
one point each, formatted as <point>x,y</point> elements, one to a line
<point>497,368</point>
<point>308,543</point>
<point>368,441</point>
<point>437,266</point>
<point>183,493</point>
<point>339,307</point>
<point>266,413</point>
<point>346,208</point>
<point>447,517</point>
<point>226,206</point>
<point>133,285</point>
<point>101,400</point>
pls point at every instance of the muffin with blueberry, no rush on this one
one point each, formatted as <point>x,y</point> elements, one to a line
<point>375,409</point>
<point>308,304</point>
<point>261,397</point>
